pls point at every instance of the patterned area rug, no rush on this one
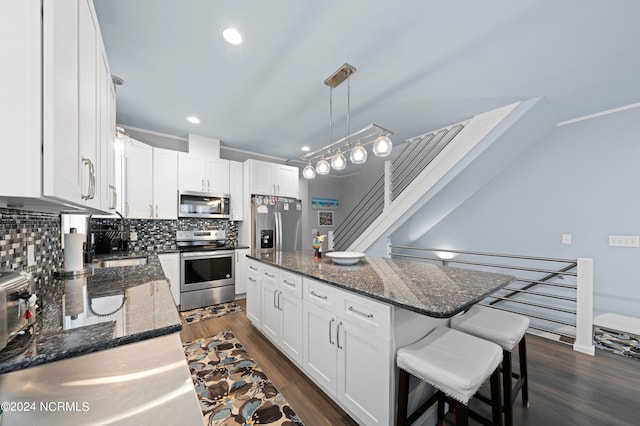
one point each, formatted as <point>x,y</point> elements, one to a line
<point>207,312</point>
<point>231,387</point>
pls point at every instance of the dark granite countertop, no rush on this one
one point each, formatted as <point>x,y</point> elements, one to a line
<point>429,289</point>
<point>104,309</point>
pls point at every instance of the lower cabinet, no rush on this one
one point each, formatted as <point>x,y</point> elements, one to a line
<point>282,311</point>
<point>347,349</point>
<point>170,263</point>
<point>254,293</point>
<point>241,270</point>
<point>341,340</point>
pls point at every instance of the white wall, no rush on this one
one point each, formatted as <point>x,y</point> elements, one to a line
<point>580,180</point>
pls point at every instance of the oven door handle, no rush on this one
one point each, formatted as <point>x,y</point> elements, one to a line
<point>207,255</point>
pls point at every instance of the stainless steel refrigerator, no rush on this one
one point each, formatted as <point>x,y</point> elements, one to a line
<point>276,224</point>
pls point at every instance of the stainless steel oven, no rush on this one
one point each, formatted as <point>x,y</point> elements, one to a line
<point>207,269</point>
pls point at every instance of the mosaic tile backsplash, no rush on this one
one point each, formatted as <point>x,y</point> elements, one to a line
<point>161,234</point>
<point>18,230</point>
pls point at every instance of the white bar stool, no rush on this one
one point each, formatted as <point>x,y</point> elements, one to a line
<point>454,363</point>
<point>507,330</point>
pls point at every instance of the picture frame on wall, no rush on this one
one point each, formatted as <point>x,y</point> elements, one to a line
<point>325,218</point>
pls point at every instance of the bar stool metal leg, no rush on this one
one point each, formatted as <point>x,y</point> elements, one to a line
<point>522,353</point>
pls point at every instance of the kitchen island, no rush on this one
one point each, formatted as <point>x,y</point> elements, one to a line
<point>105,348</point>
<point>342,325</point>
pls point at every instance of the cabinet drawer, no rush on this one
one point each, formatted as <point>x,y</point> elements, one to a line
<point>253,267</point>
<point>291,283</point>
<point>270,274</point>
<point>368,314</point>
<point>321,294</point>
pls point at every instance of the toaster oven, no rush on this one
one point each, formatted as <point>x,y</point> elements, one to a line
<point>17,305</point>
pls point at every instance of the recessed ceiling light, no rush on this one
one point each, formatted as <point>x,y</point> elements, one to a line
<point>305,148</point>
<point>194,120</point>
<point>232,35</point>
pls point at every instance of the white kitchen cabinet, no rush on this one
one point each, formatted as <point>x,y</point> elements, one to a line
<point>241,270</point>
<point>282,310</point>
<point>150,182</point>
<point>171,266</point>
<point>202,174</point>
<point>346,349</point>
<point>138,180</point>
<point>254,293</point>
<point>88,39</point>
<point>192,171</point>
<point>271,179</point>
<point>165,184</point>
<point>51,103</point>
<point>236,190</point>
<point>107,130</point>
<point>271,317</point>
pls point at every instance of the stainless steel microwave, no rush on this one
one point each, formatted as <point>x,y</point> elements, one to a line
<point>203,205</point>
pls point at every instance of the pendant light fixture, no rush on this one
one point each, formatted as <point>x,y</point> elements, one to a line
<point>354,143</point>
<point>382,146</point>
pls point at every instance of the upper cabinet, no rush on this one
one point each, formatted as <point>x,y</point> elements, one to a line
<point>201,174</point>
<point>201,169</point>
<point>56,96</point>
<point>236,190</point>
<point>271,179</point>
<point>151,176</point>
<point>165,184</point>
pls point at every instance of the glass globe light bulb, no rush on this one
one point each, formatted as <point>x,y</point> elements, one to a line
<point>323,167</point>
<point>338,161</point>
<point>309,172</point>
<point>382,146</point>
<point>358,154</point>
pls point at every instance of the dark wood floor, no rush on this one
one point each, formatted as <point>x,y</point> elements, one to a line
<point>566,387</point>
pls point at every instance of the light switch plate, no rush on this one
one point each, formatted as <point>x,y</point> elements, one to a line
<point>566,238</point>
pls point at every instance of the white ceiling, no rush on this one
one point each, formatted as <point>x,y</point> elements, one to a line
<point>421,65</point>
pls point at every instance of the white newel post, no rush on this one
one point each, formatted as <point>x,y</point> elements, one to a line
<point>584,308</point>
<point>387,184</point>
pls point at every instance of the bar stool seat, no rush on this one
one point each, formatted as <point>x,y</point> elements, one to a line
<point>507,330</point>
<point>456,364</point>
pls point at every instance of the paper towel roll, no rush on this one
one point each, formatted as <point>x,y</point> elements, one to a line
<point>73,258</point>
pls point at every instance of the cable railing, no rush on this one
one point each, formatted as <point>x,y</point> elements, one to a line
<point>555,294</point>
<point>420,151</point>
<point>414,158</point>
<point>365,212</point>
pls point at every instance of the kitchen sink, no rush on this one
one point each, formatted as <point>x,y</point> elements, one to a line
<point>122,261</point>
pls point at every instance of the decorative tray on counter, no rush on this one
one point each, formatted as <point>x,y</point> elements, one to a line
<point>345,257</point>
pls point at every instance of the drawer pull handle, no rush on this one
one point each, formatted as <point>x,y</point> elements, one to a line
<point>253,267</point>
<point>355,311</point>
<point>252,279</point>
<point>269,275</point>
<point>313,293</point>
<point>288,283</point>
<point>330,324</point>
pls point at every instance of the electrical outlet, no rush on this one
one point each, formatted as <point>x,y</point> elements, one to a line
<point>624,241</point>
<point>566,238</point>
<point>133,236</point>
<point>31,255</point>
